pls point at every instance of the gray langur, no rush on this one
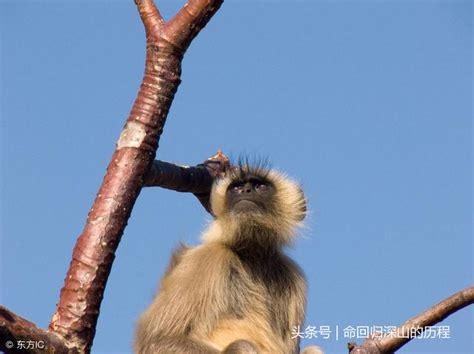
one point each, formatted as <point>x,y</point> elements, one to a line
<point>237,292</point>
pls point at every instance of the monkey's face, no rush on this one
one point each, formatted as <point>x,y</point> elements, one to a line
<point>250,194</point>
<point>260,198</point>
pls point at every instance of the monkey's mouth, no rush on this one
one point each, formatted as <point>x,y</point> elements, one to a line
<point>243,205</point>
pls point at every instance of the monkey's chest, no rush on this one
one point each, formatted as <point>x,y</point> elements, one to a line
<point>263,295</point>
<point>255,306</point>
<point>256,313</point>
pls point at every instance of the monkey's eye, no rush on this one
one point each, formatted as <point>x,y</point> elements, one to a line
<point>261,187</point>
<point>236,187</point>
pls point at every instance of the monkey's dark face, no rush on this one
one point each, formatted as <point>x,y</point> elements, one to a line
<point>250,193</point>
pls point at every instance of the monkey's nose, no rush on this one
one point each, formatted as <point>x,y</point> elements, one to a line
<point>247,188</point>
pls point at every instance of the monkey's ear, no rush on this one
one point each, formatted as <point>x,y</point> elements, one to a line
<point>217,199</point>
<point>303,208</point>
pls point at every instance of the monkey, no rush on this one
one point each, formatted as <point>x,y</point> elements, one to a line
<point>237,292</point>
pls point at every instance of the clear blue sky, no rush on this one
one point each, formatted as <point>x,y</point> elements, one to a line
<point>367,103</point>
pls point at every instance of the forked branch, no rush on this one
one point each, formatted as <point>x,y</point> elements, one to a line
<point>76,315</point>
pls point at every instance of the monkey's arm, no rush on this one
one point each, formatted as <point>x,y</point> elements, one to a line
<point>296,303</point>
<point>188,304</point>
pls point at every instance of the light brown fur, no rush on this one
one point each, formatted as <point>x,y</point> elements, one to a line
<point>237,285</point>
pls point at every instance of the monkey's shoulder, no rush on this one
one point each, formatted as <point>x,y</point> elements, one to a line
<point>292,267</point>
<point>176,257</point>
<point>202,261</point>
<point>224,267</point>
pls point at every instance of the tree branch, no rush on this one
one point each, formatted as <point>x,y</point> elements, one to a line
<point>190,179</point>
<point>18,335</point>
<point>76,315</point>
<point>415,325</point>
<point>151,17</point>
<point>195,179</point>
<point>186,24</point>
